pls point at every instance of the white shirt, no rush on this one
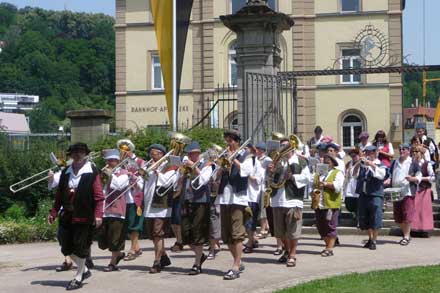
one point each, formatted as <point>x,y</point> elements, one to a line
<point>52,184</point>
<point>338,184</point>
<point>341,165</point>
<point>205,176</point>
<point>400,171</point>
<point>229,197</point>
<point>117,183</point>
<point>74,179</point>
<point>390,148</point>
<point>150,189</point>
<point>379,172</point>
<point>254,185</point>
<point>350,187</point>
<point>301,180</point>
<point>419,174</point>
<point>362,147</point>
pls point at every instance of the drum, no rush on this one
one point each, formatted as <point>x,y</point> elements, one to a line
<point>392,194</point>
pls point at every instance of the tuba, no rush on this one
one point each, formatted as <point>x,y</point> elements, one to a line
<point>281,167</point>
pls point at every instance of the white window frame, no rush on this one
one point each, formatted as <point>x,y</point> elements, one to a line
<point>153,66</point>
<point>352,125</point>
<point>232,53</point>
<point>350,11</point>
<point>351,59</point>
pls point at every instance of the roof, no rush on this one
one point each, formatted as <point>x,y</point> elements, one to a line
<point>14,123</point>
<point>411,112</point>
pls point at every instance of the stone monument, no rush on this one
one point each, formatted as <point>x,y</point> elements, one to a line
<point>258,30</point>
<point>89,125</point>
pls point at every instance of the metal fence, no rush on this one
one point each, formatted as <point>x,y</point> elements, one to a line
<point>265,103</point>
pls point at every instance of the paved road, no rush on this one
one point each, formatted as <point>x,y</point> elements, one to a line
<point>30,267</point>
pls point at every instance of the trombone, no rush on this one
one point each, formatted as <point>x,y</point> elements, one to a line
<point>211,156</point>
<point>59,164</point>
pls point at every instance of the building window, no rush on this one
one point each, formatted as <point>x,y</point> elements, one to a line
<point>350,5</point>
<point>239,4</point>
<point>351,59</point>
<point>156,73</point>
<point>352,126</point>
<point>232,65</point>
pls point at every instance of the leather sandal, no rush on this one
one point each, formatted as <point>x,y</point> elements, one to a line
<point>156,268</point>
<point>248,249</point>
<point>177,247</point>
<point>195,270</point>
<point>291,262</point>
<point>130,256</point>
<point>404,241</point>
<point>326,253</point>
<point>64,267</point>
<point>231,275</point>
<point>111,268</point>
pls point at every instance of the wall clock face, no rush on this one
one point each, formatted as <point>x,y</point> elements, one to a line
<point>373,45</point>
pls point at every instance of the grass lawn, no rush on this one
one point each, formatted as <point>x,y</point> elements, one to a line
<point>414,280</point>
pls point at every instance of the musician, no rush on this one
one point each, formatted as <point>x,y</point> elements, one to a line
<point>403,209</point>
<point>332,150</point>
<point>370,178</point>
<point>426,141</point>
<point>195,199</point>
<point>80,195</point>
<point>420,176</point>
<point>134,218</point>
<point>112,232</point>
<point>254,192</point>
<point>264,161</point>
<point>351,198</point>
<point>329,205</point>
<point>233,199</point>
<point>157,209</point>
<point>287,203</point>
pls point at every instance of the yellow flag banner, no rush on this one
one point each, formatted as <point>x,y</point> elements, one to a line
<point>162,11</point>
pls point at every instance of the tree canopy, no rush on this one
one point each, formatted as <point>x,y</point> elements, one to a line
<point>66,58</point>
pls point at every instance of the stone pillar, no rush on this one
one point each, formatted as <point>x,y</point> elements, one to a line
<point>258,30</point>
<point>89,126</point>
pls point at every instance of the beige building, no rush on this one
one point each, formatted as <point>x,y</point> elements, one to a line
<point>333,34</point>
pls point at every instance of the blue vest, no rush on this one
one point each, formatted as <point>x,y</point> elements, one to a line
<point>239,184</point>
<point>374,186</point>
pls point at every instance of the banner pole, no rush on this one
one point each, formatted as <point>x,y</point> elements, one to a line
<point>174,123</point>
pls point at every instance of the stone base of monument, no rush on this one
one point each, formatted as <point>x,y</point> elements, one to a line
<point>89,125</point>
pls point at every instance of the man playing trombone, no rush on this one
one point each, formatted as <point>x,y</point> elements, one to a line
<point>157,209</point>
<point>233,198</point>
<point>112,234</point>
<point>80,194</point>
<point>194,195</point>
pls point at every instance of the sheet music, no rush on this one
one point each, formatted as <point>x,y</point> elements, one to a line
<point>272,145</point>
<point>175,161</point>
<point>322,169</point>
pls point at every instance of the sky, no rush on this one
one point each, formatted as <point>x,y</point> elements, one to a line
<point>412,23</point>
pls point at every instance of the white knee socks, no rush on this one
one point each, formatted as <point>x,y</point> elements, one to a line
<point>82,268</point>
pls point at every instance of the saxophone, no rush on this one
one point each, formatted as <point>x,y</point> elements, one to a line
<point>316,193</point>
<point>278,157</point>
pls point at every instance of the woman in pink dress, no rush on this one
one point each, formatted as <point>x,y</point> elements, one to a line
<point>420,176</point>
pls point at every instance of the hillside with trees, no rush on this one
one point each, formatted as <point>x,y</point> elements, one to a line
<point>64,57</point>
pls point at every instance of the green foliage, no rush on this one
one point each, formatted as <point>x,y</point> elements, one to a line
<point>412,89</point>
<point>66,58</point>
<point>416,279</point>
<point>143,138</point>
<point>16,212</point>
<point>16,228</point>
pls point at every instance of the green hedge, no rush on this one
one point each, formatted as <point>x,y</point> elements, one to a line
<point>15,227</point>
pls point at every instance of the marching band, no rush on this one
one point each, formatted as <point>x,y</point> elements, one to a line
<point>224,193</point>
